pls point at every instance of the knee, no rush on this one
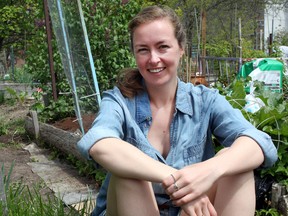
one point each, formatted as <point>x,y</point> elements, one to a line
<point>127,183</point>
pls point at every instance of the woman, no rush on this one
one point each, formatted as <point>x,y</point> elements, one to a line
<point>153,134</point>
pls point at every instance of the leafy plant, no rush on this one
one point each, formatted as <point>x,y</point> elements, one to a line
<point>19,75</point>
<point>267,212</point>
<point>15,96</point>
<point>21,200</point>
<point>272,119</point>
<point>57,110</point>
<point>3,128</point>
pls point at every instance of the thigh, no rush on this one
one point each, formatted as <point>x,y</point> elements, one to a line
<point>131,197</point>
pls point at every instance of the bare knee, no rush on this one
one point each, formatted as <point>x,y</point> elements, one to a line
<point>127,196</point>
<point>236,194</point>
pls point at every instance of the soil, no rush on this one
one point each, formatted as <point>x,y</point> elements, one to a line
<point>71,124</point>
<point>12,154</point>
<point>12,143</point>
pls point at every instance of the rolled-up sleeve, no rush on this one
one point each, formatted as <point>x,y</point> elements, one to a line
<point>266,144</point>
<point>229,124</point>
<point>107,124</point>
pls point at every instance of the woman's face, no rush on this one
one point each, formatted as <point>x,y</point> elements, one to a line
<point>157,52</point>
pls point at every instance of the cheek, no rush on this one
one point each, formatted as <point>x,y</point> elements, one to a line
<point>140,61</point>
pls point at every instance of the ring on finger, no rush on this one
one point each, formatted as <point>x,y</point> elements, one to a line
<point>176,187</point>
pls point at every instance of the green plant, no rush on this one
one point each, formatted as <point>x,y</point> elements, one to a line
<point>88,169</point>
<point>19,75</point>
<point>3,128</point>
<point>21,200</point>
<point>15,96</point>
<point>272,119</point>
<point>57,110</point>
<point>267,212</point>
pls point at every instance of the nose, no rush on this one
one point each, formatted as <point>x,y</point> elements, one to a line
<point>154,57</point>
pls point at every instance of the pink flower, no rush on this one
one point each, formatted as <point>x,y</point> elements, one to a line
<point>39,90</point>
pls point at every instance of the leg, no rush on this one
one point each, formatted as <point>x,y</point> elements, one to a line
<point>130,197</point>
<point>235,195</point>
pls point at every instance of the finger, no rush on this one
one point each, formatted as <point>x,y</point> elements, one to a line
<point>205,211</point>
<point>169,180</point>
<point>183,196</point>
<point>199,212</point>
<point>174,188</point>
<point>184,213</point>
<point>211,210</point>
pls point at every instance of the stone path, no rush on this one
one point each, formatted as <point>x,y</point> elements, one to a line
<point>63,180</point>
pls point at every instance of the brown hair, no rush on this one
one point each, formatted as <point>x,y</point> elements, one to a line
<point>129,80</point>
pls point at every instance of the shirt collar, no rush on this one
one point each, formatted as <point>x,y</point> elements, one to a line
<point>183,103</point>
<point>183,100</point>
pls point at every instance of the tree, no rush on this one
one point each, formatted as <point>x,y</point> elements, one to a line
<point>17,21</point>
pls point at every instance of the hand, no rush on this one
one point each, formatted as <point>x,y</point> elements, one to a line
<point>201,206</point>
<point>192,181</point>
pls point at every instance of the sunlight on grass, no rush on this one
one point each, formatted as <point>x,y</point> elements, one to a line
<point>18,199</point>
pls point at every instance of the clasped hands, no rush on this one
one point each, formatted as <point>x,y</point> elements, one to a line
<point>188,189</point>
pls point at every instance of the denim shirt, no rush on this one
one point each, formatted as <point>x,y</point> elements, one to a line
<point>200,113</point>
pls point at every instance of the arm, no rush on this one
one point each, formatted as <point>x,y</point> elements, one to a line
<point>197,179</point>
<point>244,153</point>
<point>125,160</point>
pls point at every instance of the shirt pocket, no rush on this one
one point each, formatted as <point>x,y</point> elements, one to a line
<point>194,152</point>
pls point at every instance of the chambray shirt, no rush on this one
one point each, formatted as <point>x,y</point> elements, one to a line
<point>200,113</point>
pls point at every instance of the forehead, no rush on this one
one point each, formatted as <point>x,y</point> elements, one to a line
<point>160,29</point>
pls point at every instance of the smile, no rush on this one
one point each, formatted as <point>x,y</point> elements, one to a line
<point>157,70</point>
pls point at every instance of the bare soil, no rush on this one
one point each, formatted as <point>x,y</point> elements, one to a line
<point>12,144</point>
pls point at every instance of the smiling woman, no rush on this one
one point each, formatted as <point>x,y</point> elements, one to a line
<point>153,134</point>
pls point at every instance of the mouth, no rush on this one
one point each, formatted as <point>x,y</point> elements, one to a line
<point>156,70</point>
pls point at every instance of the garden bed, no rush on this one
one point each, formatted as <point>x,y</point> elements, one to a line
<point>63,135</point>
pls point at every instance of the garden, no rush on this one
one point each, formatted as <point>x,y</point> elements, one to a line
<point>34,57</point>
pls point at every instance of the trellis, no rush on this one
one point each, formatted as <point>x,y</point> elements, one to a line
<point>73,44</point>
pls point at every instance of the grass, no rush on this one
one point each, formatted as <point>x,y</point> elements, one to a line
<point>19,199</point>
<point>15,130</point>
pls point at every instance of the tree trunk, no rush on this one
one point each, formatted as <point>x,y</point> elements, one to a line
<point>63,140</point>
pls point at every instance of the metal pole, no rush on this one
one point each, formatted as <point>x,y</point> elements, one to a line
<point>89,53</point>
<point>240,44</point>
<point>50,51</point>
<point>70,67</point>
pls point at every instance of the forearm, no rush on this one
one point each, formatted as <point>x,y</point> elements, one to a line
<point>244,155</point>
<point>125,160</point>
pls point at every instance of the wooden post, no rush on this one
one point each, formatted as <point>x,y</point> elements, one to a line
<point>240,43</point>
<point>283,205</point>
<point>50,51</point>
<point>278,190</point>
<point>203,33</point>
<point>35,123</point>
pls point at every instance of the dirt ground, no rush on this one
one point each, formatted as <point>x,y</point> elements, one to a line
<point>10,152</point>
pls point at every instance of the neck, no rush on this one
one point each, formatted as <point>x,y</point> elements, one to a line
<point>162,95</point>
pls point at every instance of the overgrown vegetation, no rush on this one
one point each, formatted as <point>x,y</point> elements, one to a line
<point>272,119</point>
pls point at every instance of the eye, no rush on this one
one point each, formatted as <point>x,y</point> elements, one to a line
<point>163,47</point>
<point>142,50</point>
